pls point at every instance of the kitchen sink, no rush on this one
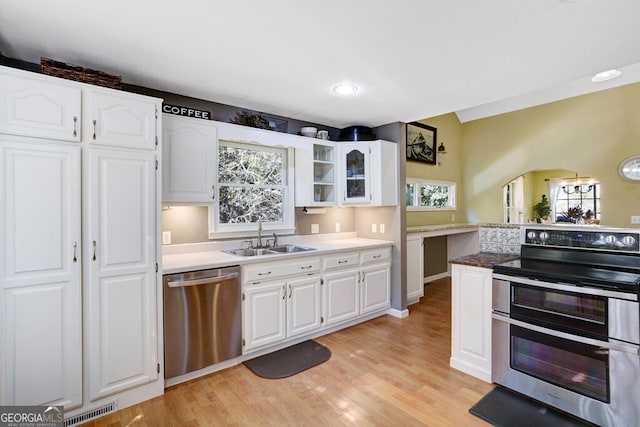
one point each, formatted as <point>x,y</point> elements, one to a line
<point>290,249</point>
<point>284,249</point>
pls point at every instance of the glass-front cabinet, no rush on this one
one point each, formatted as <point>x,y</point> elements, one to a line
<point>324,175</point>
<point>363,173</point>
<point>355,173</point>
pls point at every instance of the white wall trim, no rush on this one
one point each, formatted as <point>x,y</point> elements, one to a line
<point>398,313</point>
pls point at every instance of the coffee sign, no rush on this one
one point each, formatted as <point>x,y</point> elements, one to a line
<point>186,111</point>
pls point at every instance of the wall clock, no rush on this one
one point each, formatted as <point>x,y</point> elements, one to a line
<point>629,169</point>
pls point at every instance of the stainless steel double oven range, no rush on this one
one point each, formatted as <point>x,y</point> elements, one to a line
<point>566,322</point>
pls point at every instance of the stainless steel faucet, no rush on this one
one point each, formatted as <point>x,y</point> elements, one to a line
<point>259,242</point>
<point>275,239</point>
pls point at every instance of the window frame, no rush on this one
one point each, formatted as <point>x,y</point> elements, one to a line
<point>555,188</point>
<point>218,230</point>
<point>418,182</point>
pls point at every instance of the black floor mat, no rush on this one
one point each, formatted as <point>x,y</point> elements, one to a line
<point>503,408</point>
<point>289,361</point>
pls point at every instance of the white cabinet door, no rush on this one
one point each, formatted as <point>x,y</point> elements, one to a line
<point>316,183</point>
<point>341,301</point>
<point>471,320</point>
<point>384,173</point>
<point>303,306</point>
<point>120,279</point>
<point>264,314</point>
<point>355,170</point>
<point>119,119</point>
<point>40,274</point>
<point>375,281</point>
<point>33,105</point>
<point>415,268</point>
<point>189,160</point>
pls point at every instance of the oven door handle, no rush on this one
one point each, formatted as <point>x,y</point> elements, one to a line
<point>614,345</point>
<point>567,287</point>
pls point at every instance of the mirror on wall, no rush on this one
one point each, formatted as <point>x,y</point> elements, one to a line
<point>552,196</point>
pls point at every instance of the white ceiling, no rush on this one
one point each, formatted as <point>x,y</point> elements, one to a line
<point>411,59</point>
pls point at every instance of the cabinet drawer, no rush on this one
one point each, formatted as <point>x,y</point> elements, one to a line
<point>268,271</point>
<point>342,260</point>
<point>376,255</point>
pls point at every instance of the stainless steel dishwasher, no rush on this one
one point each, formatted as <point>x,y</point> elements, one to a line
<point>202,322</point>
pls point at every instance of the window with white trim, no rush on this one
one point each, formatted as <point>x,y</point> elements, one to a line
<point>253,183</point>
<point>424,194</point>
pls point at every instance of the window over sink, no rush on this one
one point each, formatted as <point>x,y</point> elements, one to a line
<point>253,183</point>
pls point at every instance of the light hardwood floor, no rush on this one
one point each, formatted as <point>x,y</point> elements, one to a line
<point>385,372</point>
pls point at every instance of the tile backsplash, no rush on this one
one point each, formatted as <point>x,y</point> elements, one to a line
<point>500,239</point>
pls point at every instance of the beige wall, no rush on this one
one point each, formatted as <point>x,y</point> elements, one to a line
<point>449,133</point>
<point>589,134</point>
<point>326,221</point>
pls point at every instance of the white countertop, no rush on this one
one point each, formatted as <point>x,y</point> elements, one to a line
<point>181,258</point>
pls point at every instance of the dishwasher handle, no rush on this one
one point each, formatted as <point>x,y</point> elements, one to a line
<point>204,281</point>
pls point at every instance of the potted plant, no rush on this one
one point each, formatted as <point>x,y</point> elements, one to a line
<point>542,209</point>
<point>574,213</point>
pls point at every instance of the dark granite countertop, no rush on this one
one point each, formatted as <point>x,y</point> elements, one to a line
<point>484,259</point>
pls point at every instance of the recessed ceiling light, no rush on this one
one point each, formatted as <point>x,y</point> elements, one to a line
<point>345,89</point>
<point>605,75</point>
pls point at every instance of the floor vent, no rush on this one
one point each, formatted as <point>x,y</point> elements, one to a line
<point>91,414</point>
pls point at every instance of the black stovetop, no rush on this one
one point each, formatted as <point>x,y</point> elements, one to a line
<point>596,269</point>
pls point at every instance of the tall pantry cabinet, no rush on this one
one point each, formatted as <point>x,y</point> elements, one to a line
<point>79,231</point>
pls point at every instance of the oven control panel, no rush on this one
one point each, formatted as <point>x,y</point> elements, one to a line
<point>604,239</point>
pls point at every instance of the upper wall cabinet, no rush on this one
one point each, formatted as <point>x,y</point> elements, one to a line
<point>189,156</point>
<point>43,109</point>
<point>384,173</point>
<point>316,182</point>
<point>355,167</point>
<point>119,119</point>
<point>347,173</point>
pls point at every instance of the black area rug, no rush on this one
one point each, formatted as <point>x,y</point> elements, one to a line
<point>504,408</point>
<point>289,361</point>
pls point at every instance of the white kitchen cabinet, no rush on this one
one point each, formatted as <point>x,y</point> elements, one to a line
<point>345,173</point>
<point>40,282</point>
<point>189,156</point>
<point>341,302</point>
<point>282,300</point>
<point>356,284</point>
<point>315,173</point>
<point>384,173</point>
<point>264,314</point>
<point>375,278</point>
<point>341,291</point>
<point>415,268</point>
<point>120,278</point>
<point>471,320</point>
<point>304,299</point>
<point>119,119</point>
<point>79,236</point>
<point>287,299</point>
<point>369,173</point>
<point>355,176</point>
<point>33,107</point>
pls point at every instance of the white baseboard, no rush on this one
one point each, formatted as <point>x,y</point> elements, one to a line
<point>436,277</point>
<point>398,313</point>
